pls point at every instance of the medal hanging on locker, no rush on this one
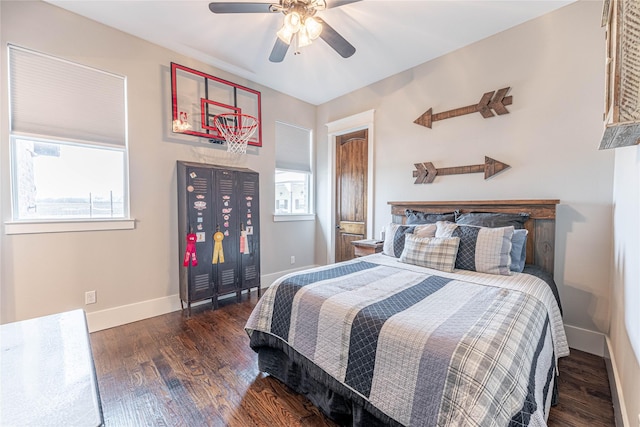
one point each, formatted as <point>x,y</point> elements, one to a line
<point>190,252</point>
<point>244,242</point>
<point>218,252</point>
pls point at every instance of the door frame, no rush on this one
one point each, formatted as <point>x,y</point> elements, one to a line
<point>336,128</point>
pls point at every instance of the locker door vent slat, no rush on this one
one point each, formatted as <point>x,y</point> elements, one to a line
<point>228,277</point>
<point>249,188</point>
<point>226,186</point>
<point>202,282</point>
<point>250,272</point>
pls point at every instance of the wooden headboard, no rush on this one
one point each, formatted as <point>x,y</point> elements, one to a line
<point>541,223</point>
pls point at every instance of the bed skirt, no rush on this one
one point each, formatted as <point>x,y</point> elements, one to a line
<point>336,401</point>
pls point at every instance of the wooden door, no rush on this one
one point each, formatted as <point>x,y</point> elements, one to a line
<point>351,192</point>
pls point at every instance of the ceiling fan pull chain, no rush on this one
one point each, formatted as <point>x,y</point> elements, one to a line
<point>296,47</point>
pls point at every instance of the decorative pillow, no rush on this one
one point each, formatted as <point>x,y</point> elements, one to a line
<point>415,217</point>
<point>438,253</point>
<point>493,220</point>
<point>482,249</point>
<point>425,230</point>
<point>518,250</point>
<point>394,235</point>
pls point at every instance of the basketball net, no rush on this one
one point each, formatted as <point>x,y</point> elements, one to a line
<point>236,129</point>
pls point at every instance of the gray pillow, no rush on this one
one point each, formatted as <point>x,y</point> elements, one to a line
<point>493,220</point>
<point>416,217</point>
<point>518,250</point>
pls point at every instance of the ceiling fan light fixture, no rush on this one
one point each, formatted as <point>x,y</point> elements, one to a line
<point>303,38</point>
<point>312,27</point>
<point>293,21</point>
<point>300,27</point>
<point>285,34</point>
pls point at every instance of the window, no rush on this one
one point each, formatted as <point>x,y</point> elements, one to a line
<point>292,193</point>
<point>293,171</point>
<point>68,140</point>
<point>47,184</point>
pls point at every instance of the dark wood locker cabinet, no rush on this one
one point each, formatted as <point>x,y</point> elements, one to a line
<point>218,198</point>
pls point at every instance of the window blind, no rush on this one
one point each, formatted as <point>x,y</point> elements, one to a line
<point>55,98</point>
<point>293,148</point>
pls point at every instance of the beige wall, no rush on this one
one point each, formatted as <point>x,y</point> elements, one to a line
<point>554,66</point>
<point>625,292</point>
<point>48,273</point>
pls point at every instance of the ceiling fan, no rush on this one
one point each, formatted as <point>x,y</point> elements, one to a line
<point>301,25</point>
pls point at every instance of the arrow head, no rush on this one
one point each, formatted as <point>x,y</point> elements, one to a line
<point>499,101</point>
<point>431,172</point>
<point>425,119</point>
<point>493,167</point>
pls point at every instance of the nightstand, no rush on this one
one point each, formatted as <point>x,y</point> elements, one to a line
<point>367,247</point>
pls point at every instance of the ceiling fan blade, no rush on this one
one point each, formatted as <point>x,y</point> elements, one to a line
<point>233,7</point>
<point>279,51</point>
<point>338,3</point>
<point>335,40</point>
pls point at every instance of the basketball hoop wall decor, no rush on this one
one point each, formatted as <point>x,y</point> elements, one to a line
<point>198,98</point>
<point>236,129</point>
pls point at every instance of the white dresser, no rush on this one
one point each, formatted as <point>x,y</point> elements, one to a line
<point>47,376</point>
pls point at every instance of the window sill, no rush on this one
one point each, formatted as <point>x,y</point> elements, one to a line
<point>58,226</point>
<point>283,218</point>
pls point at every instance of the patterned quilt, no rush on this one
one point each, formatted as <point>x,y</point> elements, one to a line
<point>424,347</point>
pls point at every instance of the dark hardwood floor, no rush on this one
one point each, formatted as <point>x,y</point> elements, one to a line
<point>199,371</point>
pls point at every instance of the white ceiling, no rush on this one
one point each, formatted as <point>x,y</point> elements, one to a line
<point>389,37</point>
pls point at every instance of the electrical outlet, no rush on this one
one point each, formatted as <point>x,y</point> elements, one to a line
<point>90,297</point>
<point>293,259</point>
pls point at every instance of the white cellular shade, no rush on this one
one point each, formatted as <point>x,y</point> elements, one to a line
<point>51,97</point>
<point>293,148</point>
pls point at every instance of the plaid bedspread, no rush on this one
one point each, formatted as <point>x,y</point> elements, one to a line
<point>424,347</point>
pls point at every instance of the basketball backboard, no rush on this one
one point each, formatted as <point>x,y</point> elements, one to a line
<point>198,97</point>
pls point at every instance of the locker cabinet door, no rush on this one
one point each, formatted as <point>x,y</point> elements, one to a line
<point>249,218</point>
<point>199,221</point>
<point>226,221</point>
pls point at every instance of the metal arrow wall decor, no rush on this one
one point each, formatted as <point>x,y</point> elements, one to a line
<point>425,173</point>
<point>487,103</point>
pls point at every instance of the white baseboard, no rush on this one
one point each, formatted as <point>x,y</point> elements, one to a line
<point>585,340</point>
<point>116,316</point>
<point>619,408</point>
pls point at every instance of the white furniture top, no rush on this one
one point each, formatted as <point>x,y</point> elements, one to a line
<point>47,374</point>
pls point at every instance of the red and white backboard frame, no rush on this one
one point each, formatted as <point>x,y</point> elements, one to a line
<point>198,97</point>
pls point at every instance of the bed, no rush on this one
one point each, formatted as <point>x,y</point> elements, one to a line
<point>414,336</point>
